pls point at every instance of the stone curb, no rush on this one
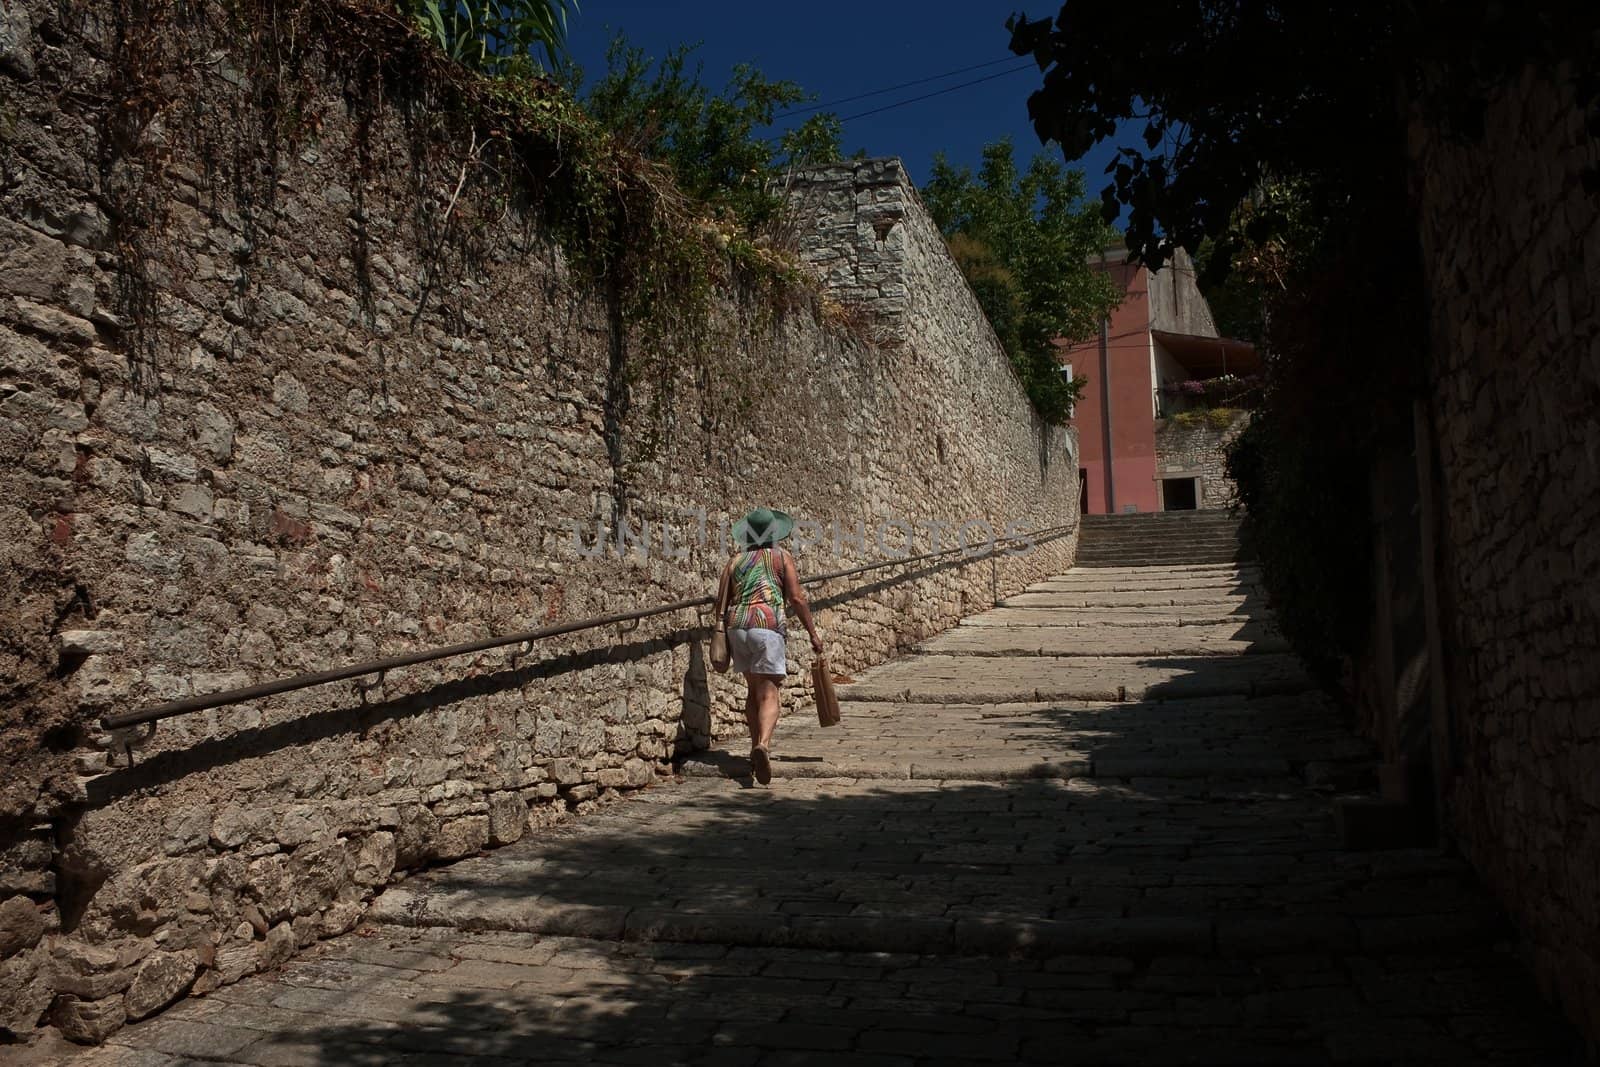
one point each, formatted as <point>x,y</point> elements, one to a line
<point>1144,936</point>
<point>1254,647</point>
<point>726,765</point>
<point>1188,688</point>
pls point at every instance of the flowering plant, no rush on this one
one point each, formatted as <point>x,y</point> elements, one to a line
<point>1224,385</point>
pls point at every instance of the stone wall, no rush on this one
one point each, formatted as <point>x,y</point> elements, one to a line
<point>1195,444</point>
<point>1510,230</point>
<point>1176,303</point>
<point>343,433</point>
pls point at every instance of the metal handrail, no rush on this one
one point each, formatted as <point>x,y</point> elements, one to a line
<point>378,666</point>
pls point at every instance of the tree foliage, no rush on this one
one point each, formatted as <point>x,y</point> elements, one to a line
<point>711,140</point>
<point>497,37</point>
<point>1024,240</point>
<point>1275,146</point>
<point>1234,93</point>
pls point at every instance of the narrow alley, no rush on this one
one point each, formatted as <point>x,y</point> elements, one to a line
<point>1092,825</point>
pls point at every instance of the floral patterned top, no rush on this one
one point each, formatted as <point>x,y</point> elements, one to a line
<point>755,596</point>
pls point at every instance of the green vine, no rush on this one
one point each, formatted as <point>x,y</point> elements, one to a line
<point>499,144</point>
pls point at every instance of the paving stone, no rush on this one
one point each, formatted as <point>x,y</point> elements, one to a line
<point>1073,856</point>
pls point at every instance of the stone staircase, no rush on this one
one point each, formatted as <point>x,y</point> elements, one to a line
<point>1161,538</point>
<point>1090,825</point>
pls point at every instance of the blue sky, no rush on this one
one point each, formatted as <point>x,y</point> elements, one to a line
<point>838,50</point>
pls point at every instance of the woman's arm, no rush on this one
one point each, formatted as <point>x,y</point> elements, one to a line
<point>796,596</point>
<point>720,607</point>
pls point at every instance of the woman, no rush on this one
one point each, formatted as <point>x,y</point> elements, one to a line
<point>756,584</point>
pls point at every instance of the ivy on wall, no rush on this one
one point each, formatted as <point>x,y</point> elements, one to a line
<point>480,145</point>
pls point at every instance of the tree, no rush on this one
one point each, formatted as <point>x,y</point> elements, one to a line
<point>1275,145</point>
<point>1024,240</point>
<point>710,140</point>
<point>495,36</point>
<point>1233,94</point>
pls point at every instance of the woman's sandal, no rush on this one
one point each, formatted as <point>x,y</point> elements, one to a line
<point>761,765</point>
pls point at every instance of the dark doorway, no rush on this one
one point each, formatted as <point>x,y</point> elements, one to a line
<point>1178,494</point>
<point>1083,490</point>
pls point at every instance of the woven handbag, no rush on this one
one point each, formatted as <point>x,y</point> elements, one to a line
<point>827,699</point>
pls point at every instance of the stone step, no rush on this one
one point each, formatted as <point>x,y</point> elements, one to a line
<point>1116,618</point>
<point>1002,640</point>
<point>993,934</point>
<point>1215,599</point>
<point>1182,552</point>
<point>1161,529</point>
<point>957,870</point>
<point>997,679</point>
<point>1149,560</point>
<point>1144,936</point>
<point>1112,535</point>
<point>1117,583</point>
<point>1160,571</point>
<point>1150,518</point>
<point>1093,544</point>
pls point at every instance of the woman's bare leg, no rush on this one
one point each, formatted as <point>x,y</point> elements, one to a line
<point>752,701</point>
<point>766,708</point>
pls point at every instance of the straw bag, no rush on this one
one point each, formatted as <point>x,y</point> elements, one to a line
<point>827,699</point>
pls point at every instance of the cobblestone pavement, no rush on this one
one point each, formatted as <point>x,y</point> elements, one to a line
<point>1091,826</point>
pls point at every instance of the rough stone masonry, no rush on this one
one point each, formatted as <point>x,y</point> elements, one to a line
<point>317,450</point>
<point>1510,232</point>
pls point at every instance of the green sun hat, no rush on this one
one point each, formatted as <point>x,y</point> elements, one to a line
<point>761,528</point>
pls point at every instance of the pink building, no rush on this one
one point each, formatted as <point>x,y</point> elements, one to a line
<point>1134,455</point>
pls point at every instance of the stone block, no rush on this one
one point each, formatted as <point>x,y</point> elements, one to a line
<point>458,838</point>
<point>22,924</point>
<point>213,433</point>
<point>288,393</point>
<point>341,918</point>
<point>565,771</point>
<point>508,818</point>
<point>315,874</point>
<point>639,773</point>
<point>88,1022</point>
<point>195,501</point>
<point>278,947</point>
<point>267,885</point>
<point>88,642</point>
<point>307,929</point>
<point>92,972</point>
<point>55,323</point>
<point>24,992</point>
<point>186,830</point>
<point>375,859</point>
<point>254,922</point>
<point>235,959</point>
<point>162,979</point>
<point>414,836</point>
<point>301,824</point>
<point>579,793</point>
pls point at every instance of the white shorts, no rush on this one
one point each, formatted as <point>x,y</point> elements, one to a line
<point>758,652</point>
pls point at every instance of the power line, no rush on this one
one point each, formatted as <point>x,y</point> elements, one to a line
<point>926,96</point>
<point>1030,65</point>
<point>890,89</point>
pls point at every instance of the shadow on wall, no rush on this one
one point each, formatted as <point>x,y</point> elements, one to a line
<point>696,716</point>
<point>858,883</point>
<point>346,719</point>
